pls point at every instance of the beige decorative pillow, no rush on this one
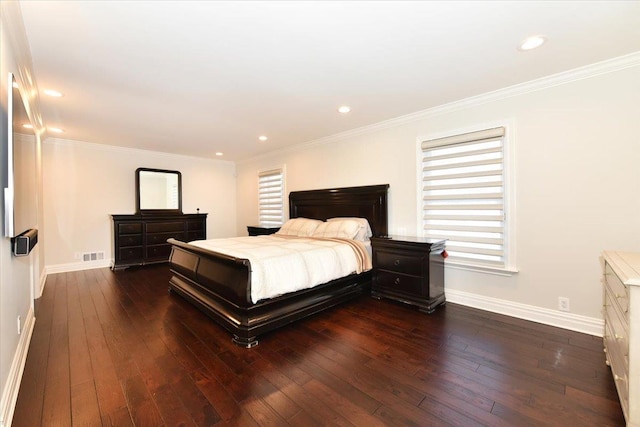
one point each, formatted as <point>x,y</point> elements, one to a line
<point>301,227</point>
<point>364,232</point>
<point>346,229</point>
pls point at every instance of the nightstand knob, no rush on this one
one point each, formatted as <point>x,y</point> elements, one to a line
<point>397,281</point>
<point>396,262</point>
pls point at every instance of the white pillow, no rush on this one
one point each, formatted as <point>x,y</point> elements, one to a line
<point>301,227</point>
<point>345,229</point>
<point>364,232</point>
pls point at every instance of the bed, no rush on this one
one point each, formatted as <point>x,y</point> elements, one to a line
<point>220,285</point>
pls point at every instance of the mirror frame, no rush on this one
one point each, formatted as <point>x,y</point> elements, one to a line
<point>158,211</point>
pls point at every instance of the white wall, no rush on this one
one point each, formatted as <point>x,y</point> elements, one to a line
<point>84,183</point>
<point>577,173</point>
<point>18,276</point>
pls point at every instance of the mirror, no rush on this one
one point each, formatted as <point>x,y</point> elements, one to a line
<point>158,191</point>
<point>19,165</point>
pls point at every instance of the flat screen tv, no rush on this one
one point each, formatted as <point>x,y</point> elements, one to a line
<point>19,174</point>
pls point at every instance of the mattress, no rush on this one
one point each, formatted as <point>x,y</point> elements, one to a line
<point>283,264</point>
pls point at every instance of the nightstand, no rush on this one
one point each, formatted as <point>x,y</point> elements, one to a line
<point>256,230</point>
<point>410,270</point>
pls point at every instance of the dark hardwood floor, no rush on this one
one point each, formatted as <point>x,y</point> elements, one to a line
<point>117,349</point>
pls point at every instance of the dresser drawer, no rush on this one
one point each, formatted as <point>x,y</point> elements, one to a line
<point>160,238</point>
<point>398,262</point>
<point>619,364</point>
<point>131,228</point>
<point>164,227</point>
<point>195,235</point>
<point>398,282</point>
<point>158,252</point>
<point>130,253</point>
<point>618,325</point>
<point>619,290</point>
<point>130,240</point>
<point>195,225</point>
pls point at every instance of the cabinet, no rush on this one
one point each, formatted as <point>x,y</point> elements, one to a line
<point>142,239</point>
<point>621,289</point>
<point>410,270</point>
<point>256,230</point>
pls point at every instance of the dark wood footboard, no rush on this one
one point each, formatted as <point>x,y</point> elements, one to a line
<point>220,286</point>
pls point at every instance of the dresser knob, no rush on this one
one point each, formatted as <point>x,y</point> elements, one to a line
<point>396,262</point>
<point>618,337</point>
<point>619,296</point>
<point>397,281</point>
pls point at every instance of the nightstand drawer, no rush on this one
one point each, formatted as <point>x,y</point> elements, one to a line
<point>394,261</point>
<point>397,282</point>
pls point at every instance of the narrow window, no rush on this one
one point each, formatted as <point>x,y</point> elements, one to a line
<point>463,192</point>
<point>271,197</point>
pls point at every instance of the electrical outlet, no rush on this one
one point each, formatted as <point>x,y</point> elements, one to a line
<point>563,304</point>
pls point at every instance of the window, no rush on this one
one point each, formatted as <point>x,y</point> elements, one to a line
<point>463,193</point>
<point>271,195</point>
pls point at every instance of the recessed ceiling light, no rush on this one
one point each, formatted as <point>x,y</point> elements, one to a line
<point>218,154</point>
<point>27,126</point>
<point>262,138</point>
<point>532,42</point>
<point>53,93</point>
<point>55,130</point>
<point>344,109</point>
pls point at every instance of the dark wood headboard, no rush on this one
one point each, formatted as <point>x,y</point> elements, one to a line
<point>368,202</point>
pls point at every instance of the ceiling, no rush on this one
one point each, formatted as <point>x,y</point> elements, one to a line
<point>199,77</point>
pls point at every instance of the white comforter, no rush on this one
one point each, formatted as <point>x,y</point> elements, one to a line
<point>286,264</point>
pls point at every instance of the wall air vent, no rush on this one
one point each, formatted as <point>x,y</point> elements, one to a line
<point>93,256</point>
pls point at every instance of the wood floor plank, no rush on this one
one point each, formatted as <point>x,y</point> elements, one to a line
<point>84,405</point>
<point>116,349</point>
<point>56,408</point>
<point>110,395</point>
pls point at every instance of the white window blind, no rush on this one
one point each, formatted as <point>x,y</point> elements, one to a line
<point>271,197</point>
<point>463,189</point>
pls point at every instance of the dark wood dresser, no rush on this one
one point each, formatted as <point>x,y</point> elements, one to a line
<point>410,270</point>
<point>142,239</point>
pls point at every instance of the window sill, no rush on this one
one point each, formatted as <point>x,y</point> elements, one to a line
<point>499,271</point>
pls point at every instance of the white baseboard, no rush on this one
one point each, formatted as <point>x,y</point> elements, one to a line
<point>573,322</point>
<point>43,280</point>
<point>12,386</point>
<point>76,266</point>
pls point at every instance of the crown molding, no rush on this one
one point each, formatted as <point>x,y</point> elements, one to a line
<point>125,150</point>
<point>565,77</point>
